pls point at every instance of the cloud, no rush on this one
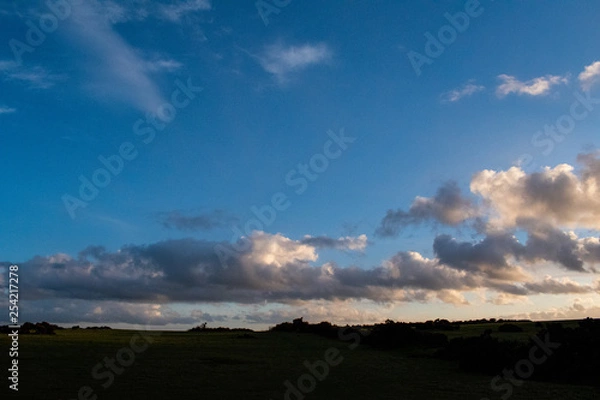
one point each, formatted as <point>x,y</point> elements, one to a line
<point>343,243</point>
<point>590,75</point>
<point>115,69</point>
<point>197,222</point>
<point>557,196</point>
<point>448,206</point>
<point>87,312</point>
<point>466,90</point>
<point>545,207</point>
<point>7,110</point>
<point>278,251</point>
<point>174,12</point>
<point>314,311</point>
<point>535,87</point>
<point>33,77</point>
<point>550,244</point>
<point>6,65</point>
<point>489,257</point>
<point>554,286</point>
<point>163,65</point>
<point>502,299</point>
<point>579,309</point>
<point>273,268</point>
<point>281,61</point>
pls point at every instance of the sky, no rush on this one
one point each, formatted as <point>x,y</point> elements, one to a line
<point>168,163</point>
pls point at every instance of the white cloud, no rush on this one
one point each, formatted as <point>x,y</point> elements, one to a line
<point>590,75</point>
<point>555,196</point>
<point>466,90</point>
<point>277,250</point>
<point>281,60</point>
<point>7,110</point>
<point>174,12</point>
<point>535,87</point>
<point>581,308</point>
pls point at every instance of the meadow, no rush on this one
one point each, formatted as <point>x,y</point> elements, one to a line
<point>74,364</point>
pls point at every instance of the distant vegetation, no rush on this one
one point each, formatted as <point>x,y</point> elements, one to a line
<point>203,328</point>
<point>575,360</point>
<point>42,328</point>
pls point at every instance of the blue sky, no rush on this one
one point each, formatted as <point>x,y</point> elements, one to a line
<point>424,192</point>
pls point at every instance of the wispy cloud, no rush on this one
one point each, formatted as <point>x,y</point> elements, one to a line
<point>174,12</point>
<point>7,110</point>
<point>195,222</point>
<point>6,65</point>
<point>466,90</point>
<point>281,60</point>
<point>535,87</point>
<point>163,65</point>
<point>34,78</point>
<point>590,75</point>
<point>117,70</point>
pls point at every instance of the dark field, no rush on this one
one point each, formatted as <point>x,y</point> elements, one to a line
<point>235,365</point>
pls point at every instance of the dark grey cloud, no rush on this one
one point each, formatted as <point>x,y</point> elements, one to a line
<point>546,243</point>
<point>448,207</point>
<point>358,243</point>
<point>196,222</point>
<point>489,256</point>
<point>496,254</point>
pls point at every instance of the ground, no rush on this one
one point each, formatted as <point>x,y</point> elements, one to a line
<point>235,365</point>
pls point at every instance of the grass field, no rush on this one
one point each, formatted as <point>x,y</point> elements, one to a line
<point>232,366</point>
